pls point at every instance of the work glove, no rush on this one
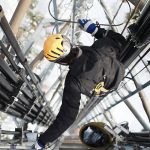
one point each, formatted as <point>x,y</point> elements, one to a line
<point>88,26</point>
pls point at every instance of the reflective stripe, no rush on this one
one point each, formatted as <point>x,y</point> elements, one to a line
<point>87,25</point>
<point>95,31</point>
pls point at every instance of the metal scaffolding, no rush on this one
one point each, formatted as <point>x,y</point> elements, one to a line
<point>20,89</point>
<point>25,99</point>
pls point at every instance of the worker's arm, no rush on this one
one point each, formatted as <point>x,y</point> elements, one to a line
<point>92,28</point>
<point>68,111</point>
<point>97,32</point>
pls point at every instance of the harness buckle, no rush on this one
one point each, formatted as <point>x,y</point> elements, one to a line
<point>99,89</point>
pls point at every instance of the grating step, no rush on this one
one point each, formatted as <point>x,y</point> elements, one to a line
<point>73,146</point>
<point>73,143</point>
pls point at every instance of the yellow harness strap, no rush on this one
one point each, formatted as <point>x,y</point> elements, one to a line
<point>100,88</point>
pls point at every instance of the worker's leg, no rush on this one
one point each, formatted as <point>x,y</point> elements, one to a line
<point>66,115</point>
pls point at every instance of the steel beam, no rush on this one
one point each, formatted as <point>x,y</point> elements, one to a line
<point>135,2</point>
<point>56,15</point>
<point>19,14</point>
<point>145,102</point>
<point>74,12</point>
<point>134,111</point>
<point>137,115</point>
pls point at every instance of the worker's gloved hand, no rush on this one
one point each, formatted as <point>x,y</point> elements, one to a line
<point>88,26</point>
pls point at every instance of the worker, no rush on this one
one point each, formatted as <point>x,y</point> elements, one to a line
<point>89,66</point>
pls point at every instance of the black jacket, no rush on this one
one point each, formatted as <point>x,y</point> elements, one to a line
<point>97,61</point>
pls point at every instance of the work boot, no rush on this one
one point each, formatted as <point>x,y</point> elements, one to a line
<point>37,146</point>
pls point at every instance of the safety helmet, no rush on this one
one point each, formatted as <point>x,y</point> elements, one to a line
<point>94,135</point>
<point>56,47</point>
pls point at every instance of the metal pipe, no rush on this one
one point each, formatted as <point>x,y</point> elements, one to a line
<point>55,15</point>
<point>133,110</point>
<point>37,59</point>
<point>10,36</point>
<point>131,94</point>
<point>33,38</point>
<point>145,102</point>
<point>74,11</point>
<point>107,13</point>
<point>115,16</point>
<point>84,112</point>
<point>10,74</point>
<point>105,115</point>
<point>24,89</point>
<point>9,56</point>
<point>117,11</point>
<point>137,115</point>
<point>5,84</point>
<point>147,48</point>
<point>134,2</point>
<point>9,132</point>
<point>46,72</point>
<point>4,96</point>
<point>21,107</point>
<point>13,112</point>
<point>18,15</point>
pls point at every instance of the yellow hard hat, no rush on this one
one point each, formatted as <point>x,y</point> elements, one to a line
<point>94,135</point>
<point>56,47</point>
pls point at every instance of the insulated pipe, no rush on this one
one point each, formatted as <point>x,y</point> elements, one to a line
<point>7,71</point>
<point>11,38</point>
<point>18,15</point>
